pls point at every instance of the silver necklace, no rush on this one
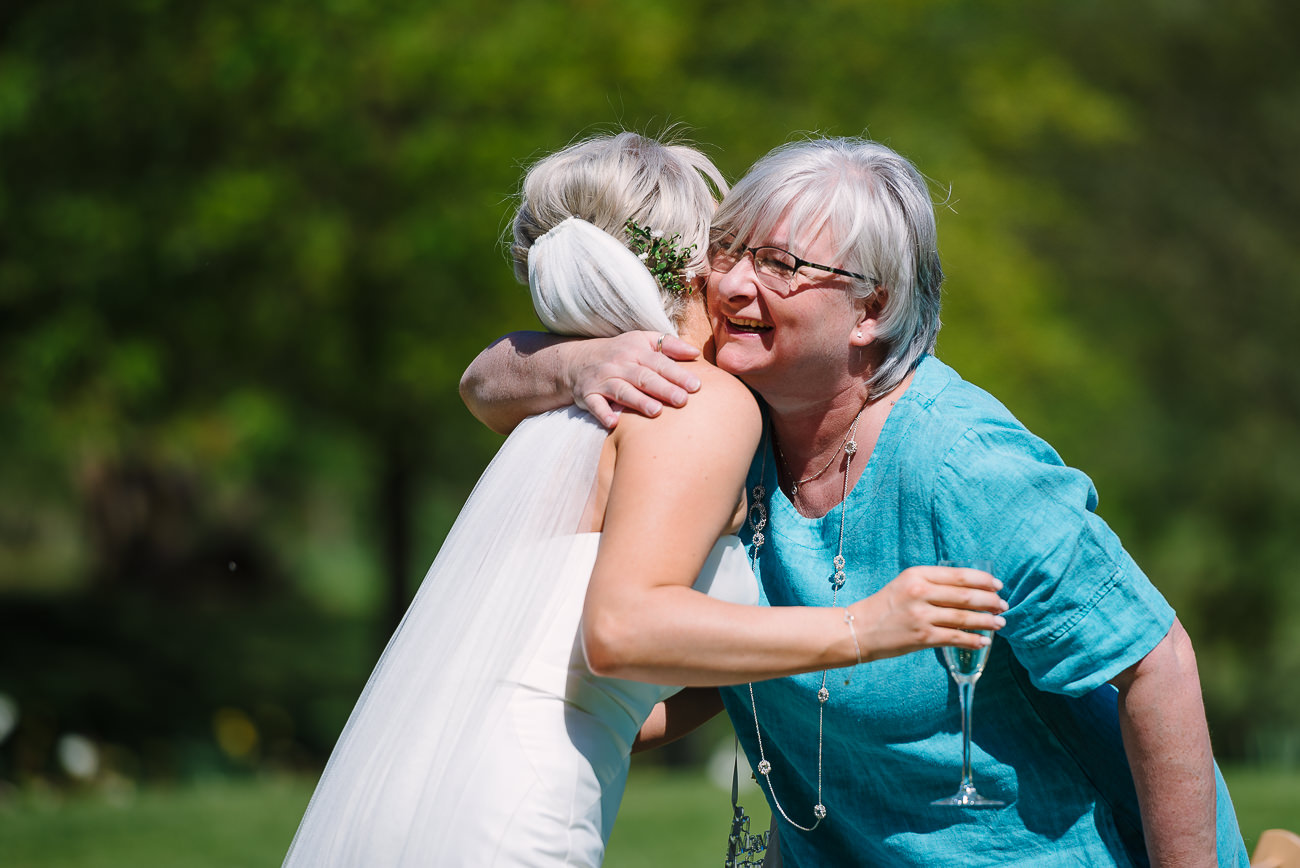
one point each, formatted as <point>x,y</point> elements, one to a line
<point>844,444</point>
<point>757,522</point>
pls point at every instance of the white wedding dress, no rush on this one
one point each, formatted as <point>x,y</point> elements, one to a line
<point>548,790</point>
<point>482,738</point>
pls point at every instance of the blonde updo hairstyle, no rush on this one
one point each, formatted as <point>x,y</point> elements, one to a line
<point>607,180</point>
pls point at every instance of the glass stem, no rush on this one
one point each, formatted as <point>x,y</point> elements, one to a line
<point>966,691</point>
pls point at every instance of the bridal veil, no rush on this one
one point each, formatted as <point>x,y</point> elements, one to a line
<point>386,795</point>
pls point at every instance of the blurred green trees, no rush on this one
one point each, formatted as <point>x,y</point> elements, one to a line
<point>247,248</point>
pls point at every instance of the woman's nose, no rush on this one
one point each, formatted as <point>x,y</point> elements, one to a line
<point>741,280</point>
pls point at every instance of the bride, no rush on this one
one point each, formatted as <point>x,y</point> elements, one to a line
<point>589,567</point>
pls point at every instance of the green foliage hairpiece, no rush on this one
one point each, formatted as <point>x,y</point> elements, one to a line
<point>665,259</point>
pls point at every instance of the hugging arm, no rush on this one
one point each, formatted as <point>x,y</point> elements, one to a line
<point>525,373</point>
<point>674,492</point>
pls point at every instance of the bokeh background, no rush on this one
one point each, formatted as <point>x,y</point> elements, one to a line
<point>247,248</point>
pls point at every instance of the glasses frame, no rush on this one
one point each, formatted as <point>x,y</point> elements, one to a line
<point>740,250</point>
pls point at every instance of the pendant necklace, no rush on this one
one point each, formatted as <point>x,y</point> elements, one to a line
<point>848,444</point>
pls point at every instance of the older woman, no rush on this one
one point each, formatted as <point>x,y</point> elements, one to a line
<point>824,298</point>
<point>497,727</point>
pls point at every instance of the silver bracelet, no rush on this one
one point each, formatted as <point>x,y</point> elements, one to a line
<point>853,631</point>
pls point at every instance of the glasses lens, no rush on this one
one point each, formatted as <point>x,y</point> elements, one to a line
<point>776,265</point>
<point>721,257</point>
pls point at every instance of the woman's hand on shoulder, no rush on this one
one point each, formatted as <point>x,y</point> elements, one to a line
<point>637,371</point>
<point>524,373</point>
<point>928,607</point>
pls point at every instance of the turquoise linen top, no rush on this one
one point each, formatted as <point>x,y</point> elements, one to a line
<point>954,475</point>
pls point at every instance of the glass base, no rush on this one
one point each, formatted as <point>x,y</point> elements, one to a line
<point>966,797</point>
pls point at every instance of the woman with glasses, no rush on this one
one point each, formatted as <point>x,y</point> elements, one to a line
<point>496,728</point>
<point>1091,737</point>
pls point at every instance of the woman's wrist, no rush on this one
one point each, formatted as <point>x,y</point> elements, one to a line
<point>565,369</point>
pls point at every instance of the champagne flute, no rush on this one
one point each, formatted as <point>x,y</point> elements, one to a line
<point>965,666</point>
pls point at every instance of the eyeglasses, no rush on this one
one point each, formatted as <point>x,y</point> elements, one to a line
<point>774,267</point>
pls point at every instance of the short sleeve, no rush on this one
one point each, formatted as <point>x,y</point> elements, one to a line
<point>1080,609</point>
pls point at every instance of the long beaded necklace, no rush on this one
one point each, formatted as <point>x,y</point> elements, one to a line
<point>757,522</point>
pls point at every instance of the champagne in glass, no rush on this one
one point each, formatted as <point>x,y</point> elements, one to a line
<point>966,662</point>
<point>965,666</point>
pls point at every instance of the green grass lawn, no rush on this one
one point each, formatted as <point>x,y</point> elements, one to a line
<point>231,823</point>
<point>668,818</point>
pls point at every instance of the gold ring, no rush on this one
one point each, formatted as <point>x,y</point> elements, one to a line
<point>659,347</point>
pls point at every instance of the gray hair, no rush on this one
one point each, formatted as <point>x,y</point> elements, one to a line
<point>877,206</point>
<point>607,180</point>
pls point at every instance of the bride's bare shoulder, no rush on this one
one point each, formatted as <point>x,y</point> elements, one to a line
<point>723,386</point>
<point>723,407</point>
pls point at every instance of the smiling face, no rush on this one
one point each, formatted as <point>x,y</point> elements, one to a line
<point>803,346</point>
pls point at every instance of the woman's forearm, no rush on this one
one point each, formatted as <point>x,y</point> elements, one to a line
<point>519,375</point>
<point>525,373</point>
<point>1162,720</point>
<point>672,634</point>
<point>676,635</point>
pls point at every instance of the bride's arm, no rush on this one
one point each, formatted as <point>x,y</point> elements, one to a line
<point>525,373</point>
<point>679,714</point>
<point>674,492</point>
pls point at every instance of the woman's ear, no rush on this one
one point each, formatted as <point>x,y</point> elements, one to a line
<point>870,309</point>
